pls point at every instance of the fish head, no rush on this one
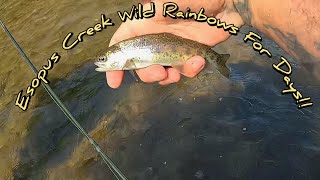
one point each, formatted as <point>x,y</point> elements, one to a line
<point>110,61</point>
<point>101,62</point>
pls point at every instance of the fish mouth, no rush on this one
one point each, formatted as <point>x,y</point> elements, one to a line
<point>101,66</point>
<point>101,62</point>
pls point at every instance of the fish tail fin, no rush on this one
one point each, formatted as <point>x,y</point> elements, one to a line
<point>223,59</point>
<point>219,62</point>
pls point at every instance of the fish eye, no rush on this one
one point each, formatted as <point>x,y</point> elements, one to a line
<point>101,58</point>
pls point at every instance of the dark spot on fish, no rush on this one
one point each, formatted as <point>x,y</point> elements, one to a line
<point>157,49</point>
<point>174,48</point>
<point>213,57</point>
<point>198,51</point>
<point>188,50</point>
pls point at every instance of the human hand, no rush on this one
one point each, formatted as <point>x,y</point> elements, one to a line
<point>197,31</point>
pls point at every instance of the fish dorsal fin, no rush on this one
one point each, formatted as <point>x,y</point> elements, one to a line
<point>223,59</point>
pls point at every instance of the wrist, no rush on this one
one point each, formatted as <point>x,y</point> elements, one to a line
<point>244,8</point>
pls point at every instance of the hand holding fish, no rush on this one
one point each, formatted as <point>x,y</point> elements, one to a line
<point>281,26</point>
<point>188,29</point>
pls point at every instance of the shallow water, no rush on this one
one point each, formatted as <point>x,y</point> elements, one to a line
<point>207,127</point>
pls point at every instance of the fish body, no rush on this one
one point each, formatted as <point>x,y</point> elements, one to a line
<point>162,49</point>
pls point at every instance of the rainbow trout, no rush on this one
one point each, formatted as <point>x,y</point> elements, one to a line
<point>163,49</point>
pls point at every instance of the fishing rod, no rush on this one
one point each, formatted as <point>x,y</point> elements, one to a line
<point>113,168</point>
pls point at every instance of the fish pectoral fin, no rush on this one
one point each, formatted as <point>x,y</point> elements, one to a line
<point>130,64</point>
<point>134,75</point>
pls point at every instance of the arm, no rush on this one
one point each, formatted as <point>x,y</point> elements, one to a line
<point>293,24</point>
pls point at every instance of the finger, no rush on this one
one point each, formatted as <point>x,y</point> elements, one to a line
<point>173,77</point>
<point>152,73</point>
<point>114,78</point>
<point>193,66</point>
<point>122,33</point>
<point>231,17</point>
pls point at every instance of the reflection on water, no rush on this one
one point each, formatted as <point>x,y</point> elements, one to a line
<point>207,127</point>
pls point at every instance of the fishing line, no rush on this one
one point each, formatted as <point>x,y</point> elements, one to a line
<point>114,169</point>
